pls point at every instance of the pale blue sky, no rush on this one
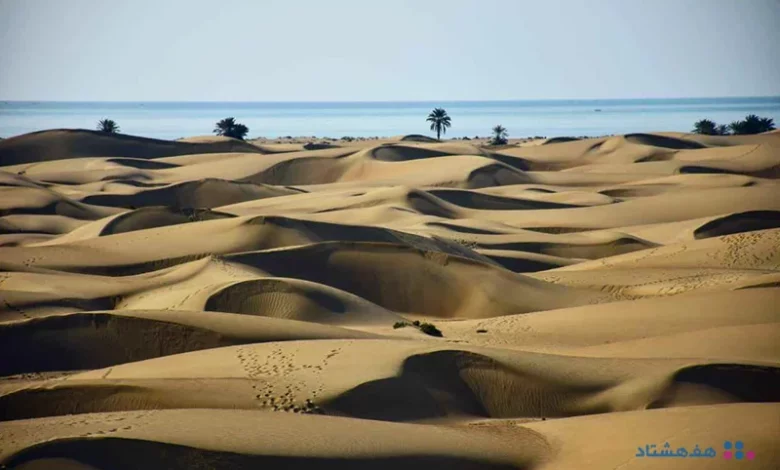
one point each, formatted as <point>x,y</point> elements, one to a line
<point>288,50</point>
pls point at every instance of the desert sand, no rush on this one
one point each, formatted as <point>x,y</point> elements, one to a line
<point>210,303</point>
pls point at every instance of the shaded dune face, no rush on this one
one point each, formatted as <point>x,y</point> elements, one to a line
<point>738,223</point>
<point>412,447</point>
<point>213,303</point>
<point>439,383</point>
<point>472,200</point>
<point>70,342</point>
<point>120,454</point>
<point>203,194</point>
<point>90,340</point>
<point>380,274</point>
<point>294,299</point>
<point>663,141</point>
<point>734,382</point>
<point>152,217</point>
<point>446,383</point>
<point>453,383</point>
<point>405,280</point>
<point>78,143</point>
<point>400,154</point>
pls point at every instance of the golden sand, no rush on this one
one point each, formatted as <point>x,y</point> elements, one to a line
<point>217,304</point>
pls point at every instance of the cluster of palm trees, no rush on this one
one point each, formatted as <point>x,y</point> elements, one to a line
<point>227,127</point>
<point>440,121</point>
<point>752,124</point>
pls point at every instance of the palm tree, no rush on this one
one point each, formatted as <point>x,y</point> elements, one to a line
<point>752,124</point>
<point>767,124</point>
<point>705,126</point>
<point>108,125</point>
<point>500,135</point>
<point>439,121</point>
<point>228,127</point>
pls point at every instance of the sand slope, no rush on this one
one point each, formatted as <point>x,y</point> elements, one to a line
<point>69,143</point>
<point>211,303</point>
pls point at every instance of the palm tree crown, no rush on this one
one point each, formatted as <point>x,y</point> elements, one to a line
<point>500,135</point>
<point>752,124</point>
<point>108,125</point>
<point>706,127</point>
<point>228,127</point>
<point>440,121</point>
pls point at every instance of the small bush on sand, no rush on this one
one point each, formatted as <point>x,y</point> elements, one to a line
<point>430,329</point>
<point>427,328</point>
<point>472,245</point>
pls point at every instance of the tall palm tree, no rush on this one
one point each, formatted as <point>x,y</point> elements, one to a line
<point>440,121</point>
<point>108,125</point>
<point>500,135</point>
<point>228,127</point>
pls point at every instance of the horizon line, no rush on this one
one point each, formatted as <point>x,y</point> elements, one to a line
<point>399,101</point>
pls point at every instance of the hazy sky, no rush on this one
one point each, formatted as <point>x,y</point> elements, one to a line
<point>288,50</point>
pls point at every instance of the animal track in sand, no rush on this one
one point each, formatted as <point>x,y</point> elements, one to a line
<point>16,309</point>
<point>740,248</point>
<point>84,425</point>
<point>287,394</point>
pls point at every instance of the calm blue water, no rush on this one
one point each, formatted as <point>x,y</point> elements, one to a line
<point>522,118</point>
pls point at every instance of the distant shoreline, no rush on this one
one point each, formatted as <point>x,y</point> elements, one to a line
<point>396,102</point>
<point>173,120</point>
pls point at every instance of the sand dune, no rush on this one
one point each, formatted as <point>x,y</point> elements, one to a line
<point>142,440</point>
<point>88,340</point>
<point>394,380</point>
<point>561,330</point>
<point>203,194</point>
<point>139,219</point>
<point>45,201</point>
<point>402,302</point>
<point>69,143</point>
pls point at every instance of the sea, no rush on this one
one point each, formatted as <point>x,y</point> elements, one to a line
<point>548,118</point>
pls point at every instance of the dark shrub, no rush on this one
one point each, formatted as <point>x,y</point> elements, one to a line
<point>228,127</point>
<point>430,329</point>
<point>752,124</point>
<point>108,125</point>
